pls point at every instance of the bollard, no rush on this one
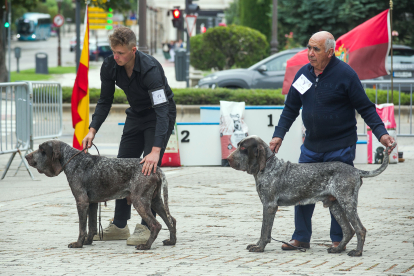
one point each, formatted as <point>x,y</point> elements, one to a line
<point>17,54</point>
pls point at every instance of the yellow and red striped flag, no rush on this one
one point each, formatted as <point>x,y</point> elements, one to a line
<point>80,93</point>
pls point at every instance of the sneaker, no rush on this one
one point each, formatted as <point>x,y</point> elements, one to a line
<point>112,232</point>
<point>140,236</point>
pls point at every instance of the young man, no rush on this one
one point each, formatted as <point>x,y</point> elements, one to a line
<point>149,123</point>
<point>329,98</point>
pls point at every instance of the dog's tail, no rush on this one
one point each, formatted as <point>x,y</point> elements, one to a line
<point>164,187</point>
<point>382,168</point>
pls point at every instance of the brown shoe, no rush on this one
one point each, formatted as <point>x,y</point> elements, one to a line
<point>335,244</point>
<point>295,243</point>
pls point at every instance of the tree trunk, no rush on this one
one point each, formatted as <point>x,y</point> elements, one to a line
<point>3,42</point>
<point>3,69</point>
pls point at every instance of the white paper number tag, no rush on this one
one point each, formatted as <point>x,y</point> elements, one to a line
<point>302,84</point>
<point>158,97</point>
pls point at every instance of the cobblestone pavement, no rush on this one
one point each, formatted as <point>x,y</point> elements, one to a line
<point>218,214</point>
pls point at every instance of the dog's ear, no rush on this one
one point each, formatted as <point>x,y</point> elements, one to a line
<point>261,157</point>
<point>57,167</point>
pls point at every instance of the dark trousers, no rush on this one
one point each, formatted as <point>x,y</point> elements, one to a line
<point>137,138</point>
<point>303,213</point>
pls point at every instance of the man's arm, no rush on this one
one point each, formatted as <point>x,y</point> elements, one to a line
<point>368,112</point>
<point>106,97</point>
<point>289,114</point>
<point>103,106</point>
<point>154,79</point>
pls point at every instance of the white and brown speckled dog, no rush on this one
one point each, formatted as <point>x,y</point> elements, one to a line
<point>94,179</point>
<point>280,183</point>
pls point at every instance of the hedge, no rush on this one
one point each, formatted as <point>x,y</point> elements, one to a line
<point>205,96</point>
<point>225,47</point>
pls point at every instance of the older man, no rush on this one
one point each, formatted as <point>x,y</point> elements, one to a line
<point>329,91</point>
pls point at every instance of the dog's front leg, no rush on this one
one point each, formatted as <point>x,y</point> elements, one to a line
<point>92,229</point>
<point>269,211</point>
<point>82,206</point>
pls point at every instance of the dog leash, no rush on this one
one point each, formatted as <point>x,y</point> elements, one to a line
<point>302,249</point>
<point>77,155</point>
<point>100,229</point>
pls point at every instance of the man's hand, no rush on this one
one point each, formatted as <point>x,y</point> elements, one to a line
<point>150,161</point>
<point>275,144</point>
<point>87,141</point>
<point>387,141</point>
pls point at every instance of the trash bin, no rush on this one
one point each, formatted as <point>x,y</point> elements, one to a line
<point>180,64</point>
<point>41,63</point>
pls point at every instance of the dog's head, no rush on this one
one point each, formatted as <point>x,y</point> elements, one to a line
<point>47,158</point>
<point>250,155</point>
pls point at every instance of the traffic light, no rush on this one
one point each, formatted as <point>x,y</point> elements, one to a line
<point>190,7</point>
<point>177,19</point>
<point>109,19</point>
<point>6,24</point>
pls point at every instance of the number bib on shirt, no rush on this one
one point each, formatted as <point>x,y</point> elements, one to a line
<point>158,97</point>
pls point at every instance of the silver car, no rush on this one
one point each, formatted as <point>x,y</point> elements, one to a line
<point>267,74</point>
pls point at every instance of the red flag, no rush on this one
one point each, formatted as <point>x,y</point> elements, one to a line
<point>365,48</point>
<point>80,93</point>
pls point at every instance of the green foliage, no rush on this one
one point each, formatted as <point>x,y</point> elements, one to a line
<point>200,96</point>
<point>254,14</point>
<point>223,47</point>
<point>30,74</point>
<point>382,97</point>
<point>304,18</point>
<point>232,13</point>
<point>203,57</point>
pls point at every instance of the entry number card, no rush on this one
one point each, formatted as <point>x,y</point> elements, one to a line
<point>302,84</point>
<point>158,97</point>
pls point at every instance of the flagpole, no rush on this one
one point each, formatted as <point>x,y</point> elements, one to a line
<point>392,72</point>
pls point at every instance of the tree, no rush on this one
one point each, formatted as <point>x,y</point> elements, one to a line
<point>28,4</point>
<point>225,47</point>
<point>255,14</point>
<point>304,18</point>
<point>232,13</point>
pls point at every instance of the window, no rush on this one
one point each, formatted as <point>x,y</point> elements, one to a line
<point>279,63</point>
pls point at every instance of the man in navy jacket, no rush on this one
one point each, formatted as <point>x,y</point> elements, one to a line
<point>329,91</point>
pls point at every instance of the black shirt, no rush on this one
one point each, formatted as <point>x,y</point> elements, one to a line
<point>147,74</point>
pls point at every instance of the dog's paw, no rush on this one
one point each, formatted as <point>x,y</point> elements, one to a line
<point>143,247</point>
<point>250,246</point>
<point>256,248</point>
<point>88,241</point>
<point>355,253</point>
<point>75,245</point>
<point>168,242</point>
<point>334,250</point>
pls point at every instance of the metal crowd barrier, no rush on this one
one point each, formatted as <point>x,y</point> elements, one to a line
<point>404,127</point>
<point>37,115</point>
<point>15,121</point>
<point>46,110</point>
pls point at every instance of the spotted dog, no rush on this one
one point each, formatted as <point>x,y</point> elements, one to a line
<point>94,179</point>
<point>280,183</point>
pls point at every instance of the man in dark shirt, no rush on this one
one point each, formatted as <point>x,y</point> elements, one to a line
<point>149,122</point>
<point>329,91</point>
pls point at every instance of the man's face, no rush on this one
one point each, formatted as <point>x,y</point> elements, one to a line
<point>123,54</point>
<point>317,55</point>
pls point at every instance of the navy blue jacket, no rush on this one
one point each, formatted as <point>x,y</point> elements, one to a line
<point>329,108</point>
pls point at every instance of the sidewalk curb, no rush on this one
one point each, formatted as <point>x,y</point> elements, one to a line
<point>195,109</point>
<point>120,108</point>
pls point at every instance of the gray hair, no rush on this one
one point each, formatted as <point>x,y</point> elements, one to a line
<point>329,43</point>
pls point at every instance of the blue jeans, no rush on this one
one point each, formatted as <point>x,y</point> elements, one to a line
<point>303,213</point>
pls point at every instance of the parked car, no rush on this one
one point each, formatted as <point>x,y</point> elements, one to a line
<point>403,68</point>
<point>103,51</point>
<point>268,74</point>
